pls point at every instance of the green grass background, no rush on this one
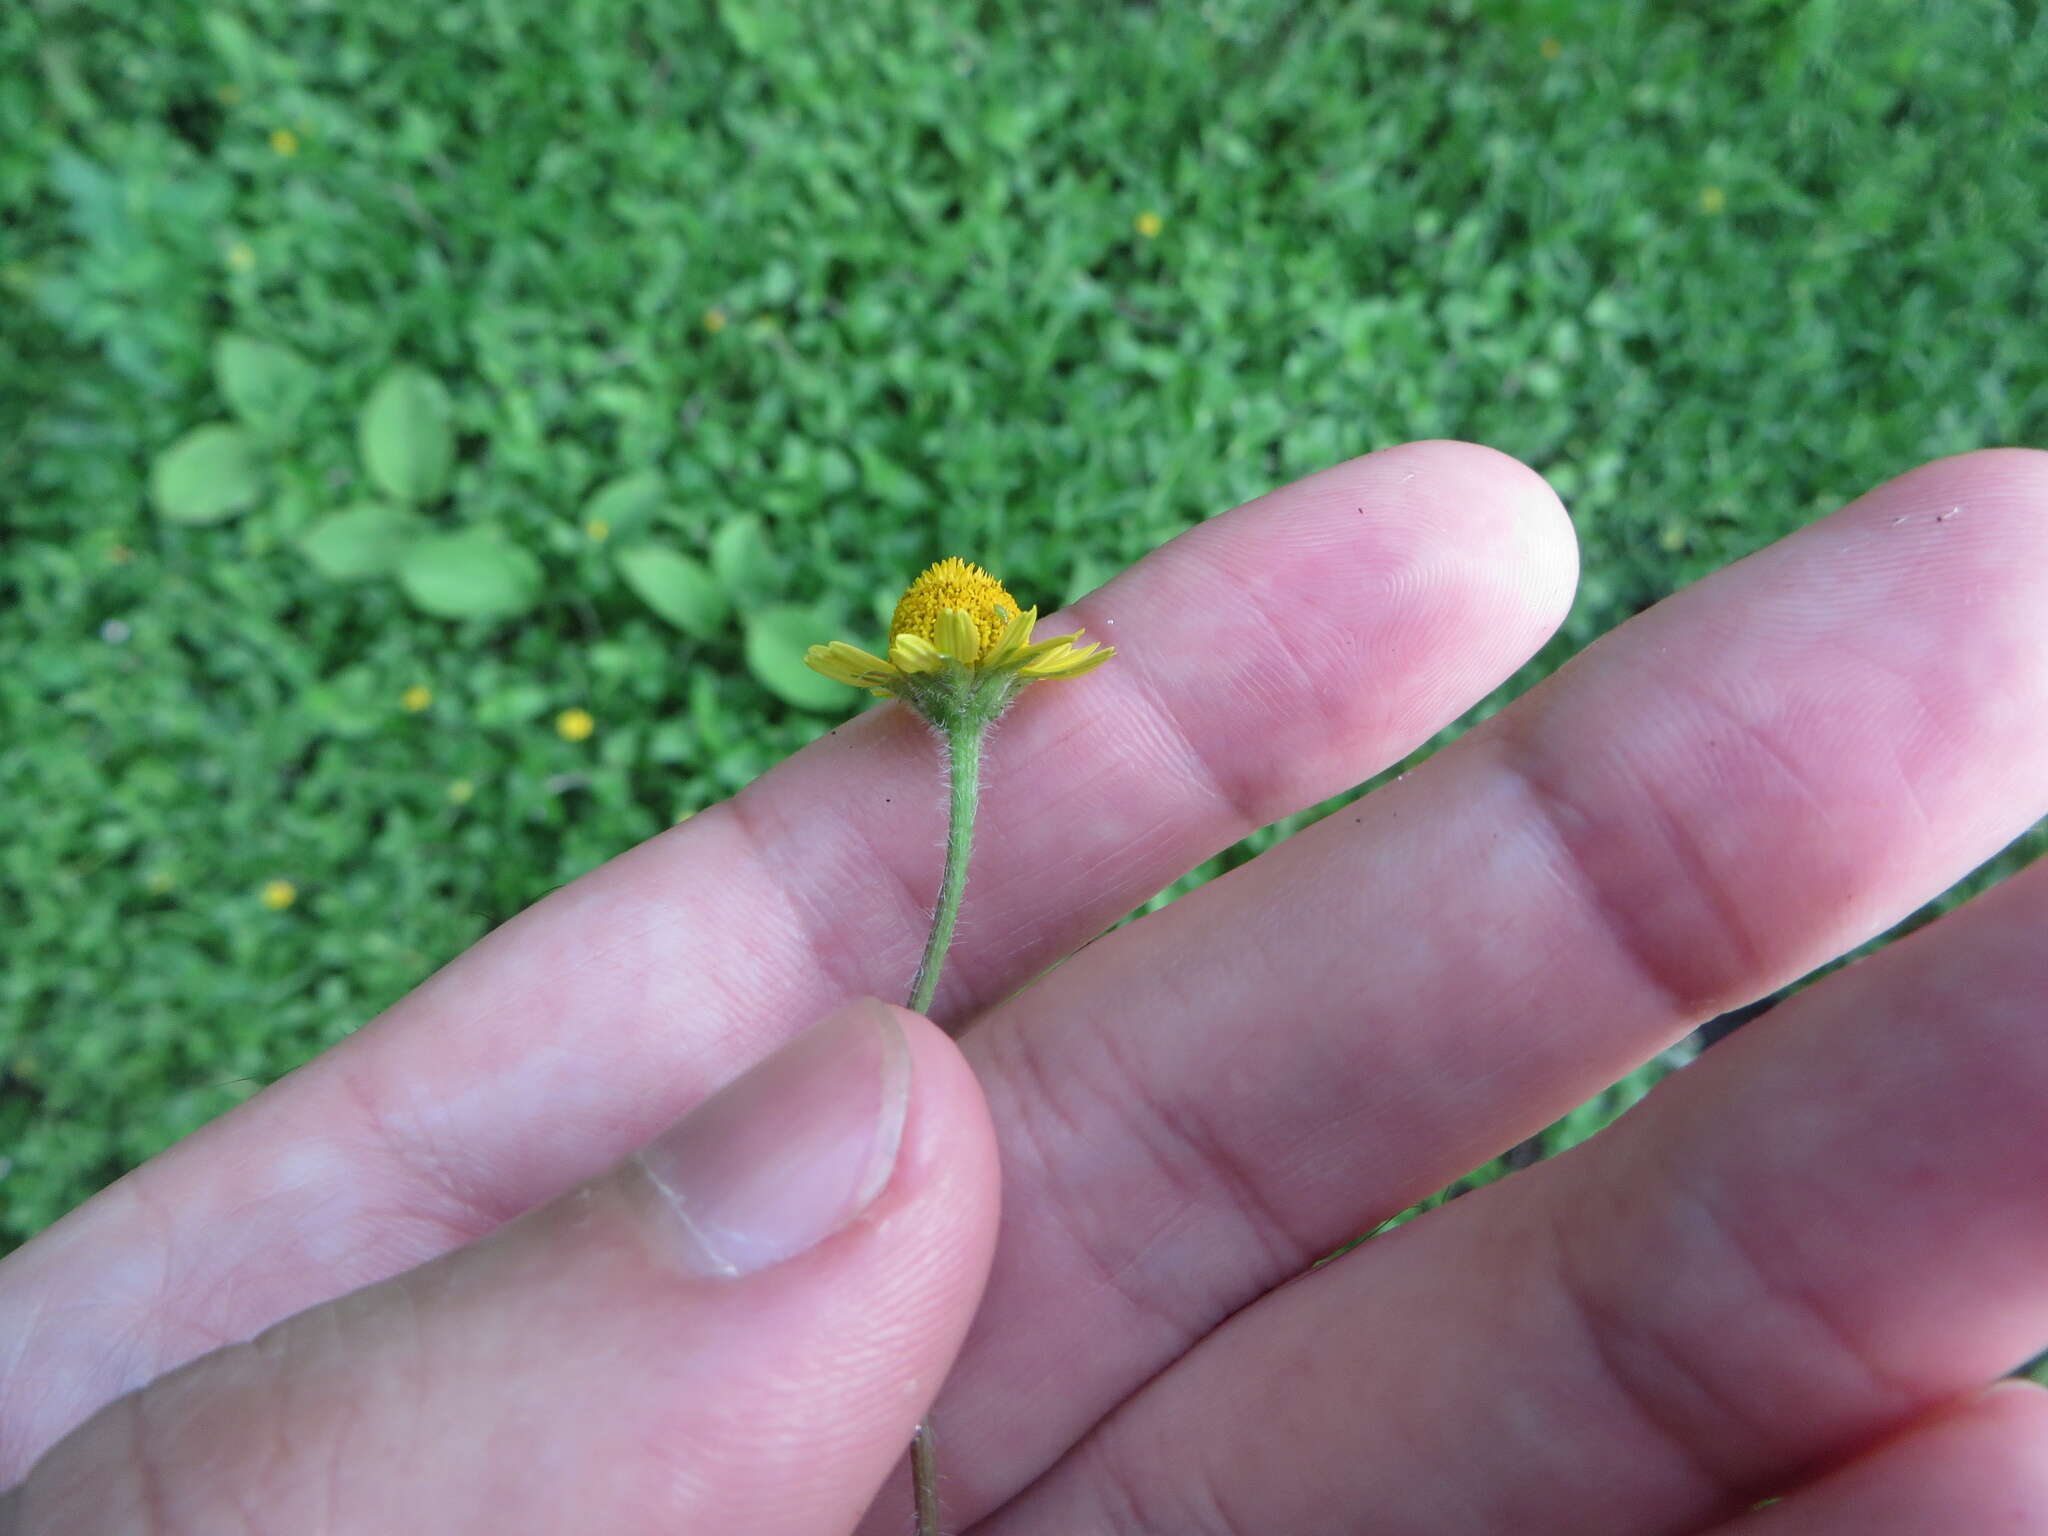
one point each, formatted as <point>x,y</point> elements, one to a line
<point>1711,269</point>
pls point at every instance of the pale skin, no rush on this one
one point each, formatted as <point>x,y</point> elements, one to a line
<point>1797,1269</point>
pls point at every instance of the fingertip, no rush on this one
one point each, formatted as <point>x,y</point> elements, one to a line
<point>2009,469</point>
<point>1303,640</point>
<point>1989,499</point>
<point>1477,524</point>
<point>1494,562</point>
<point>1504,506</point>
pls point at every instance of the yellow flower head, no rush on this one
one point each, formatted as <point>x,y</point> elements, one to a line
<point>955,585</point>
<point>1148,224</point>
<point>956,624</point>
<point>284,142</point>
<point>574,725</point>
<point>416,698</point>
<point>1712,200</point>
<point>279,894</point>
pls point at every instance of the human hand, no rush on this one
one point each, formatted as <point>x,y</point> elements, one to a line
<point>1810,1250</point>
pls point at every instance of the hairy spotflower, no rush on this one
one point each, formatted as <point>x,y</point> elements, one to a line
<point>957,631</point>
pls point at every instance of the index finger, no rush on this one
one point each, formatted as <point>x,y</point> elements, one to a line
<point>1266,660</point>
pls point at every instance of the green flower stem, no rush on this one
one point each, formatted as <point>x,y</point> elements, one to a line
<point>961,709</point>
<point>924,1480</point>
<point>963,738</point>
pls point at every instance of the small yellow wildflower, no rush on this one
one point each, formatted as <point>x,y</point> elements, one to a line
<point>714,320</point>
<point>227,95</point>
<point>284,142</point>
<point>598,529</point>
<point>416,698</point>
<point>1148,224</point>
<point>574,725</point>
<point>956,615</point>
<point>460,791</point>
<point>241,256</point>
<point>1551,49</point>
<point>279,894</point>
<point>159,882</point>
<point>1712,199</point>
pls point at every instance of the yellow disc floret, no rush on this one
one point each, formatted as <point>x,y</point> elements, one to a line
<point>954,584</point>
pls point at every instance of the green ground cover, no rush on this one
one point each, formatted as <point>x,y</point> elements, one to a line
<point>792,298</point>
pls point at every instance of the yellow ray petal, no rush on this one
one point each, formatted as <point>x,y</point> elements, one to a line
<point>957,637</point>
<point>1070,662</point>
<point>915,654</point>
<point>847,664</point>
<point>1016,632</point>
<point>1045,647</point>
<point>1036,662</point>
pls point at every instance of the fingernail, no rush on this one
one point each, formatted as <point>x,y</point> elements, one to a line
<point>780,1159</point>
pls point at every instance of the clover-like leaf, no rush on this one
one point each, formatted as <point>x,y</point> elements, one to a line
<point>475,574</point>
<point>407,436</point>
<point>678,588</point>
<point>209,475</point>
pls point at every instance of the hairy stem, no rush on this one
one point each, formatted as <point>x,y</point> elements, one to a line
<point>963,729</point>
<point>924,1480</point>
<point>963,763</point>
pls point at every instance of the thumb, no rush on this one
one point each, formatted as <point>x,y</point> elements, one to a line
<point>737,1329</point>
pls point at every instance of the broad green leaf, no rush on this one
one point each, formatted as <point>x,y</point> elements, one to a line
<point>360,542</point>
<point>759,28</point>
<point>207,476</point>
<point>234,43</point>
<point>676,587</point>
<point>889,482</point>
<point>475,574</point>
<point>262,381</point>
<point>511,704</point>
<point>743,559</point>
<point>407,436</point>
<point>626,503</point>
<point>777,638</point>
